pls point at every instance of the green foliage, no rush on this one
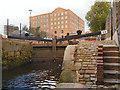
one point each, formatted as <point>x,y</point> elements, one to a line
<point>16,28</point>
<point>25,28</point>
<point>97,15</point>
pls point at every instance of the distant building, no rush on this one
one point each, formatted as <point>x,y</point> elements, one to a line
<point>58,23</point>
<point>11,29</point>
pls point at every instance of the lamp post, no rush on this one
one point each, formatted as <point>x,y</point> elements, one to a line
<point>30,21</point>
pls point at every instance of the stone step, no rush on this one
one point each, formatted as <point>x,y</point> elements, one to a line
<point>111,67</point>
<point>111,72</point>
<point>110,48</point>
<point>111,59</point>
<point>111,53</point>
<point>117,81</point>
<point>111,76</point>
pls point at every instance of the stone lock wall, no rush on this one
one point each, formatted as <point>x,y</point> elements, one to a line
<point>15,53</point>
<point>83,67</point>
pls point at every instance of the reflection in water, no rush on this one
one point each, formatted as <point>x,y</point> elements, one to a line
<point>34,75</point>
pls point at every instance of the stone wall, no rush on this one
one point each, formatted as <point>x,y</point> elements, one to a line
<point>84,62</point>
<point>15,53</point>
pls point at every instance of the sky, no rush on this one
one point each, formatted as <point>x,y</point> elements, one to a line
<point>17,11</point>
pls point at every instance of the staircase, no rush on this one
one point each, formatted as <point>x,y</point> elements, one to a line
<point>111,64</point>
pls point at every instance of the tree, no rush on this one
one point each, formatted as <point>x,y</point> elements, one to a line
<point>97,15</point>
<point>25,28</point>
<point>16,28</point>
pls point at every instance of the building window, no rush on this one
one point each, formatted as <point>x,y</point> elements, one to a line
<point>58,14</point>
<point>65,17</point>
<point>62,22</point>
<point>55,37</point>
<point>51,27</point>
<point>62,13</point>
<point>51,19</point>
<point>41,21</point>
<point>55,27</point>
<point>58,22</point>
<point>41,26</point>
<point>62,36</point>
<point>54,14</point>
<point>47,20</point>
<point>61,17</point>
<point>58,18</point>
<point>44,16</point>
<point>33,22</point>
<point>36,17</point>
<point>54,18</point>
<point>55,23</point>
<point>62,31</point>
<point>47,25</point>
<point>41,16</point>
<point>51,23</point>
<point>62,26</point>
<point>44,25</point>
<point>47,15</point>
<point>44,20</point>
<point>51,15</point>
<point>33,18</point>
<point>65,26</point>
<point>47,30</point>
<point>58,26</point>
<point>65,21</point>
<point>55,32</point>
<point>66,12</point>
<point>38,21</point>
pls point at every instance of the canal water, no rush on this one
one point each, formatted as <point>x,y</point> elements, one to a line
<point>32,75</point>
<point>40,73</point>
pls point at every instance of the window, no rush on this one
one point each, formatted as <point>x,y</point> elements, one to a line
<point>62,22</point>
<point>55,23</point>
<point>62,26</point>
<point>65,17</point>
<point>58,18</point>
<point>44,20</point>
<point>36,17</point>
<point>47,20</point>
<point>62,37</point>
<point>58,14</point>
<point>51,19</point>
<point>55,37</point>
<point>47,25</point>
<point>65,21</point>
<point>66,12</point>
<point>54,18</point>
<point>33,22</point>
<point>62,31</point>
<point>58,26</point>
<point>47,15</point>
<point>41,21</point>
<point>41,16</point>
<point>51,23</point>
<point>51,15</point>
<point>65,26</point>
<point>41,26</point>
<point>55,27</point>
<point>44,25</point>
<point>33,18</point>
<point>61,17</point>
<point>44,16</point>
<point>51,27</point>
<point>62,13</point>
<point>58,22</point>
<point>38,21</point>
<point>54,14</point>
<point>47,30</point>
<point>55,32</point>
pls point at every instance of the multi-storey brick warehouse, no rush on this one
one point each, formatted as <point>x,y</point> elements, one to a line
<point>58,23</point>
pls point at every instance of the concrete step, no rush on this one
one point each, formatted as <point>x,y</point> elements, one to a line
<point>111,67</point>
<point>111,72</point>
<point>111,53</point>
<point>111,59</point>
<point>110,48</point>
<point>111,76</point>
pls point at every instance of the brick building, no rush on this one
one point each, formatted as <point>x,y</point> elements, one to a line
<point>58,23</point>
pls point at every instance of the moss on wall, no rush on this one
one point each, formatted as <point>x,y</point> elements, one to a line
<point>15,53</point>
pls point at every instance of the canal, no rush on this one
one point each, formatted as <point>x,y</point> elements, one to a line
<point>42,70</point>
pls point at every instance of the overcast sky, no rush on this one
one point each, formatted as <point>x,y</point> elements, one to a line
<point>17,10</point>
